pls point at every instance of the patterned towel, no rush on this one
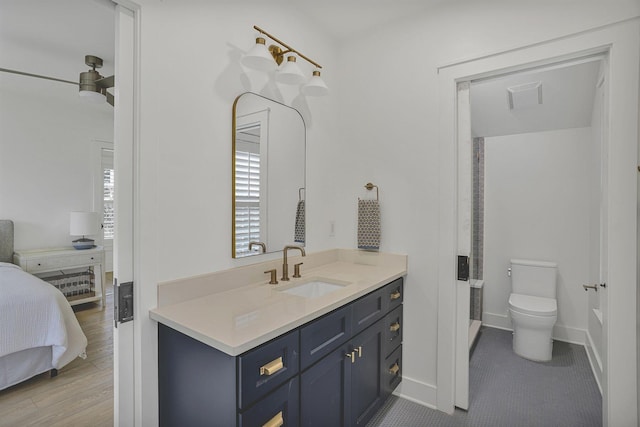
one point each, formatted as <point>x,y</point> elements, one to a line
<point>368,224</point>
<point>298,235</point>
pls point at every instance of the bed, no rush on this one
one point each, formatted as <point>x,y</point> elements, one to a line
<point>39,331</point>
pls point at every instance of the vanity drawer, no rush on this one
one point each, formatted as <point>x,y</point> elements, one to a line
<point>393,294</point>
<point>280,408</point>
<point>392,330</point>
<point>323,335</point>
<point>265,368</point>
<point>368,310</point>
<point>391,372</point>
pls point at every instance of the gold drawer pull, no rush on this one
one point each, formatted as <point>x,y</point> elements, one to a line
<point>352,356</point>
<point>276,421</point>
<point>394,327</point>
<point>359,350</point>
<point>394,369</point>
<point>272,367</point>
<point>395,295</point>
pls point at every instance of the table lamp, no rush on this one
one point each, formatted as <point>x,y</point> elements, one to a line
<point>83,224</point>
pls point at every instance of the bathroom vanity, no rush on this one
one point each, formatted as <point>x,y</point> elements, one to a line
<point>322,350</point>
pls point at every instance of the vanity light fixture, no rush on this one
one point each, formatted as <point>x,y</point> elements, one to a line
<point>262,58</point>
<point>93,86</point>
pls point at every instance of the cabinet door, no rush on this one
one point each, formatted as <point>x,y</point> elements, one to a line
<point>325,391</point>
<point>366,380</point>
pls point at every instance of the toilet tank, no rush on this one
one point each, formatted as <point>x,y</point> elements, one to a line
<point>530,277</point>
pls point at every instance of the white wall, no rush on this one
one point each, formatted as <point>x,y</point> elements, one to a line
<point>46,157</point>
<point>379,124</point>
<point>190,55</point>
<point>537,206</point>
<point>390,135</point>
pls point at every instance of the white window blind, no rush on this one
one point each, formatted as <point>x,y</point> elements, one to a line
<point>247,200</point>
<point>108,180</point>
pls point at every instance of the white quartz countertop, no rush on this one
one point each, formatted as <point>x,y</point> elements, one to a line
<point>237,320</point>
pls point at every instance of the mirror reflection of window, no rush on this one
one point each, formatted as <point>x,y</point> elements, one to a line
<point>268,169</point>
<point>247,188</point>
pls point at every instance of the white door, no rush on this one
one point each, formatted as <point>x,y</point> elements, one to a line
<point>123,334</point>
<point>465,206</point>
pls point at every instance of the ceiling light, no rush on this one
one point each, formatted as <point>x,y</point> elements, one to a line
<point>315,86</point>
<point>259,57</point>
<point>290,73</point>
<point>262,58</point>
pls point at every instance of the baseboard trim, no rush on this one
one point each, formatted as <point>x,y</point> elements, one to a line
<point>593,356</point>
<point>418,392</point>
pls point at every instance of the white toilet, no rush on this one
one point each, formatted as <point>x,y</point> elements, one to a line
<point>533,308</point>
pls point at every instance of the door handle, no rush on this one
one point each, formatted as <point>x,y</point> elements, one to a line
<point>587,287</point>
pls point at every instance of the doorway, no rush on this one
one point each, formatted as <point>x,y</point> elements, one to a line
<point>538,137</point>
<point>620,42</point>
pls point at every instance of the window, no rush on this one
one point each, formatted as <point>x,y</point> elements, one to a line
<point>247,190</point>
<point>108,181</point>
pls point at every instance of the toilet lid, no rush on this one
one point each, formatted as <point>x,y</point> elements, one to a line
<point>537,306</point>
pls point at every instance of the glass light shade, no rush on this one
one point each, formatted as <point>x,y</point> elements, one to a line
<point>315,86</point>
<point>92,97</point>
<point>259,57</point>
<point>290,73</point>
<point>83,223</point>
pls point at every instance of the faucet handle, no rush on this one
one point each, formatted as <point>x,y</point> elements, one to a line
<point>273,273</point>
<point>296,270</point>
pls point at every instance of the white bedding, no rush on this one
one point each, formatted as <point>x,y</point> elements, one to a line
<point>35,314</point>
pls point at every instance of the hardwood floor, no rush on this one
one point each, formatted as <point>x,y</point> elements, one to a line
<point>82,393</point>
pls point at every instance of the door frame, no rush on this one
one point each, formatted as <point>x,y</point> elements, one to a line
<point>621,41</point>
<point>126,245</point>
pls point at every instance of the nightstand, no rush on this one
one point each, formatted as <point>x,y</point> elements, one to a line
<point>78,274</point>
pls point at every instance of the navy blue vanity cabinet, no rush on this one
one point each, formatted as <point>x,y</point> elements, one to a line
<point>202,386</point>
<point>336,370</point>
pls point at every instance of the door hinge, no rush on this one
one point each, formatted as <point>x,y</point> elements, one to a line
<point>463,268</point>
<point>122,302</point>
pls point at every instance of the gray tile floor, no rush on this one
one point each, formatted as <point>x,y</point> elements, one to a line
<point>509,391</point>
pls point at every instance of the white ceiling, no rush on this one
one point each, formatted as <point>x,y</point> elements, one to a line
<point>567,101</point>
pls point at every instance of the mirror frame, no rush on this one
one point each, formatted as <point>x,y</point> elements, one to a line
<point>234,125</point>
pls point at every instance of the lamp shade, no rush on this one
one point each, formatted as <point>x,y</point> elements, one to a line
<point>290,73</point>
<point>315,86</point>
<point>259,57</point>
<point>83,223</point>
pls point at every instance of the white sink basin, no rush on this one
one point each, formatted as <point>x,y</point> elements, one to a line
<point>313,288</point>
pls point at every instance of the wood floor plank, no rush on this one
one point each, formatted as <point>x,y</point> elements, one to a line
<point>82,393</point>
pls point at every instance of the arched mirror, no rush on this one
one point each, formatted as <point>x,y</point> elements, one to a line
<point>269,157</point>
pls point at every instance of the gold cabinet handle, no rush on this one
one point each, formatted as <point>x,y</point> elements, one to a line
<point>394,369</point>
<point>359,351</point>
<point>395,295</point>
<point>276,421</point>
<point>272,367</point>
<point>351,355</point>
<point>394,327</point>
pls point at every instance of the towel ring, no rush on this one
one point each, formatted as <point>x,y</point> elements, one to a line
<point>370,187</point>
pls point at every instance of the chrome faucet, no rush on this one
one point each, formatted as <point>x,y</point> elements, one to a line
<point>262,245</point>
<point>285,265</point>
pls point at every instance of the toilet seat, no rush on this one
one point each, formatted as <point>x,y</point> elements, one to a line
<point>535,306</point>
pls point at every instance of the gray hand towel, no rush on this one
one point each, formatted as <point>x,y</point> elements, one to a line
<point>299,233</point>
<point>368,224</point>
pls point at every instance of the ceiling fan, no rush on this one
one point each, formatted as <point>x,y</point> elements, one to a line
<point>92,86</point>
